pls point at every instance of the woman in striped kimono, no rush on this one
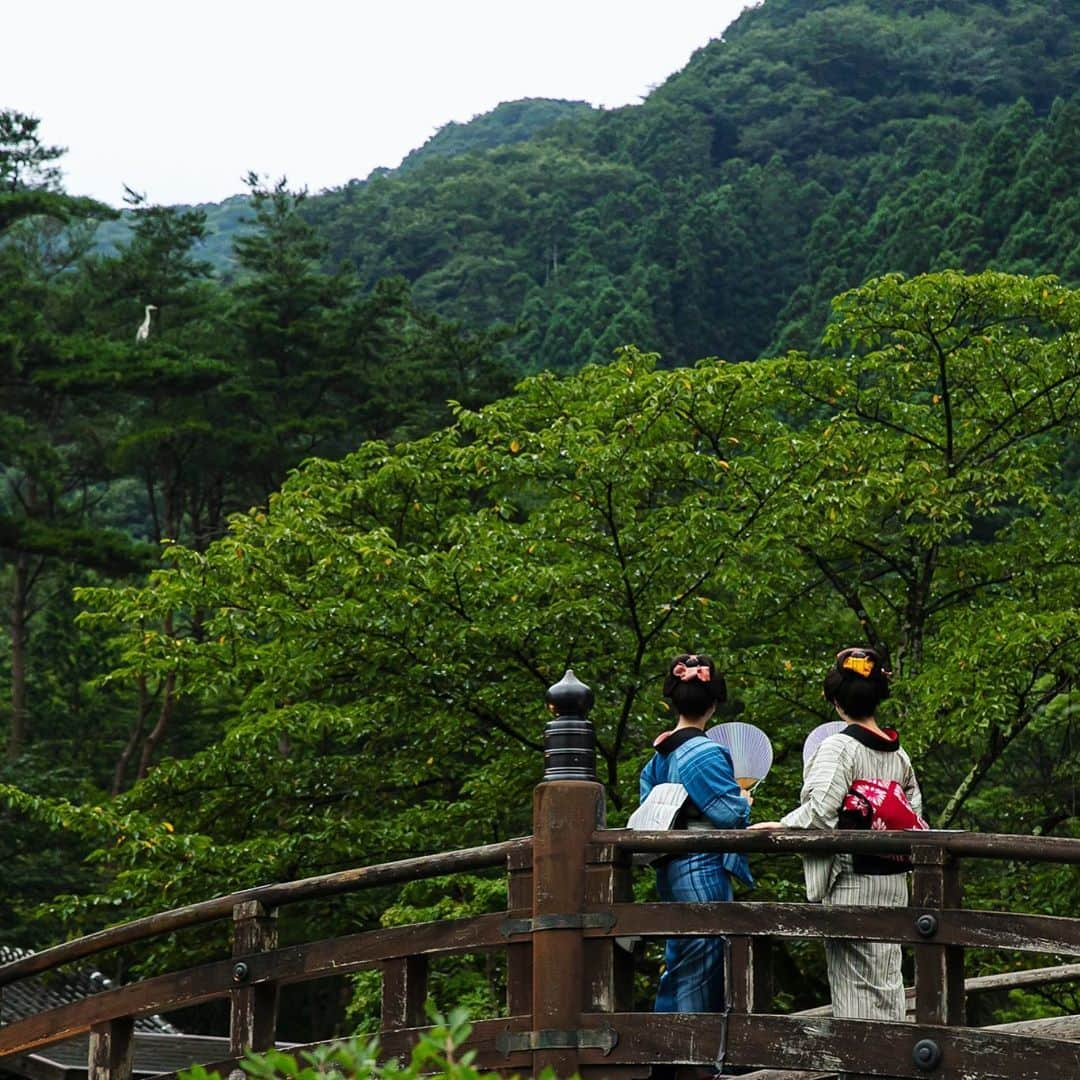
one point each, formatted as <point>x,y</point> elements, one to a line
<point>693,978</point>
<point>864,977</point>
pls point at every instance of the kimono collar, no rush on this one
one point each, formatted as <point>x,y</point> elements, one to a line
<point>872,741</point>
<point>672,740</point>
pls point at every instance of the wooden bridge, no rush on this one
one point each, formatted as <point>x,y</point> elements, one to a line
<point>569,983</point>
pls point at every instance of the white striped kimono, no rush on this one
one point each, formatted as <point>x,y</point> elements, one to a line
<point>864,977</point>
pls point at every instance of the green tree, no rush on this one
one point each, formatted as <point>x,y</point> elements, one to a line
<point>50,433</point>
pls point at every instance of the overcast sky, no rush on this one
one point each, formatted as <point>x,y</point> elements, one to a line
<point>181,100</point>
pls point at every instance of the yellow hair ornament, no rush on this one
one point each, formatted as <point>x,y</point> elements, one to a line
<point>861,665</point>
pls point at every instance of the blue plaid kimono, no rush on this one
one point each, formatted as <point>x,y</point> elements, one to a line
<point>693,978</point>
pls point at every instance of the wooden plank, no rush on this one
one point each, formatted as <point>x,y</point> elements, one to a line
<point>1014,980</point>
<point>973,929</point>
<point>873,1048</point>
<point>1050,849</point>
<point>354,952</point>
<point>966,845</point>
<point>748,974</point>
<point>785,1074</point>
<point>158,994</point>
<point>296,963</point>
<point>483,1039</point>
<point>886,1049</point>
<point>1046,1027</point>
<point>253,1005</point>
<point>939,967</point>
<point>661,1038</point>
<point>276,895</point>
<point>404,992</point>
<point>112,1050</point>
<point>609,969</point>
<point>519,889</point>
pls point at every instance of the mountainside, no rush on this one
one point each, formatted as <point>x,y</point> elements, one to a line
<point>811,147</point>
<point>509,122</point>
<point>225,221</point>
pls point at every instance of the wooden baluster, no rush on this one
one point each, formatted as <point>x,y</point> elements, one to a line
<point>253,1013</point>
<point>112,1050</point>
<point>748,974</point>
<point>519,890</point>
<point>939,969</point>
<point>609,968</point>
<point>404,992</point>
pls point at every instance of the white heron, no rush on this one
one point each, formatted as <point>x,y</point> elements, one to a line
<point>144,328</point>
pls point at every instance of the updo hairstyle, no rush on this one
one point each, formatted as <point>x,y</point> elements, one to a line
<point>694,685</point>
<point>857,683</point>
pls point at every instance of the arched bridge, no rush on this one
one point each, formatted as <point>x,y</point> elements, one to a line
<point>569,983</point>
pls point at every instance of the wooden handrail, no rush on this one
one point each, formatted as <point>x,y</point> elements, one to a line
<point>952,926</point>
<point>298,963</point>
<point>285,965</point>
<point>780,841</point>
<point>275,895</point>
<point>966,845</point>
<point>586,919</point>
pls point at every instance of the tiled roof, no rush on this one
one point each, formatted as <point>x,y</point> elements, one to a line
<point>159,1047</point>
<point>31,996</point>
<point>155,1053</point>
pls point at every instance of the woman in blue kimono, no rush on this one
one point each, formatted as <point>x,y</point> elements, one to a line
<point>693,978</point>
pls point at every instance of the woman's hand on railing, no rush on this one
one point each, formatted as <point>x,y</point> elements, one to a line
<point>765,825</point>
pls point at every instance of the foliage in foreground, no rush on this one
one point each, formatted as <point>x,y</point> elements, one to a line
<point>437,1053</point>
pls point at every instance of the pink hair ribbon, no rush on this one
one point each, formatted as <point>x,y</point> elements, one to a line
<point>701,672</point>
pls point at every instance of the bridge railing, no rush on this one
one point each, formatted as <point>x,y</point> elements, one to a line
<point>569,996</point>
<point>258,967</point>
<point>569,984</point>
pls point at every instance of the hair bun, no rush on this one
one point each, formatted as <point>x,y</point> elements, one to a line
<point>695,669</point>
<point>863,662</point>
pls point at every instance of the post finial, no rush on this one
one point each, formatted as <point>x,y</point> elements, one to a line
<point>569,739</point>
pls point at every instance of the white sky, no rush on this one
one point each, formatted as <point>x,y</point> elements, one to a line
<point>180,99</point>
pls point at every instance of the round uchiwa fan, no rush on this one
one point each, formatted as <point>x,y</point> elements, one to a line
<point>751,751</point>
<point>818,736</point>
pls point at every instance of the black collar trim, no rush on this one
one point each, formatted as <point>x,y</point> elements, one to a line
<point>870,740</point>
<point>679,738</point>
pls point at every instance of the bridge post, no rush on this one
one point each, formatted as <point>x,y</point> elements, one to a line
<point>253,1012</point>
<point>609,968</point>
<point>519,892</point>
<point>112,1050</point>
<point>939,969</point>
<point>748,974</point>
<point>568,806</point>
<point>404,992</point>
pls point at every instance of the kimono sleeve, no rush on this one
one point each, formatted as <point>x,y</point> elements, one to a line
<point>829,774</point>
<point>911,787</point>
<point>649,778</point>
<point>709,778</point>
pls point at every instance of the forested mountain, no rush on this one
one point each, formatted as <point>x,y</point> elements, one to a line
<point>813,146</point>
<point>510,122</point>
<point>290,551</point>
<point>224,221</point>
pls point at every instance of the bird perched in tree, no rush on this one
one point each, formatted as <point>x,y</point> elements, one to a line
<point>144,329</point>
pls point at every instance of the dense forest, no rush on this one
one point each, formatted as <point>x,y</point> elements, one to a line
<point>815,146</point>
<point>297,524</point>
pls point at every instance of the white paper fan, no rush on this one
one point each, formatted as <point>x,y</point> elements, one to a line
<point>819,735</point>
<point>751,751</point>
